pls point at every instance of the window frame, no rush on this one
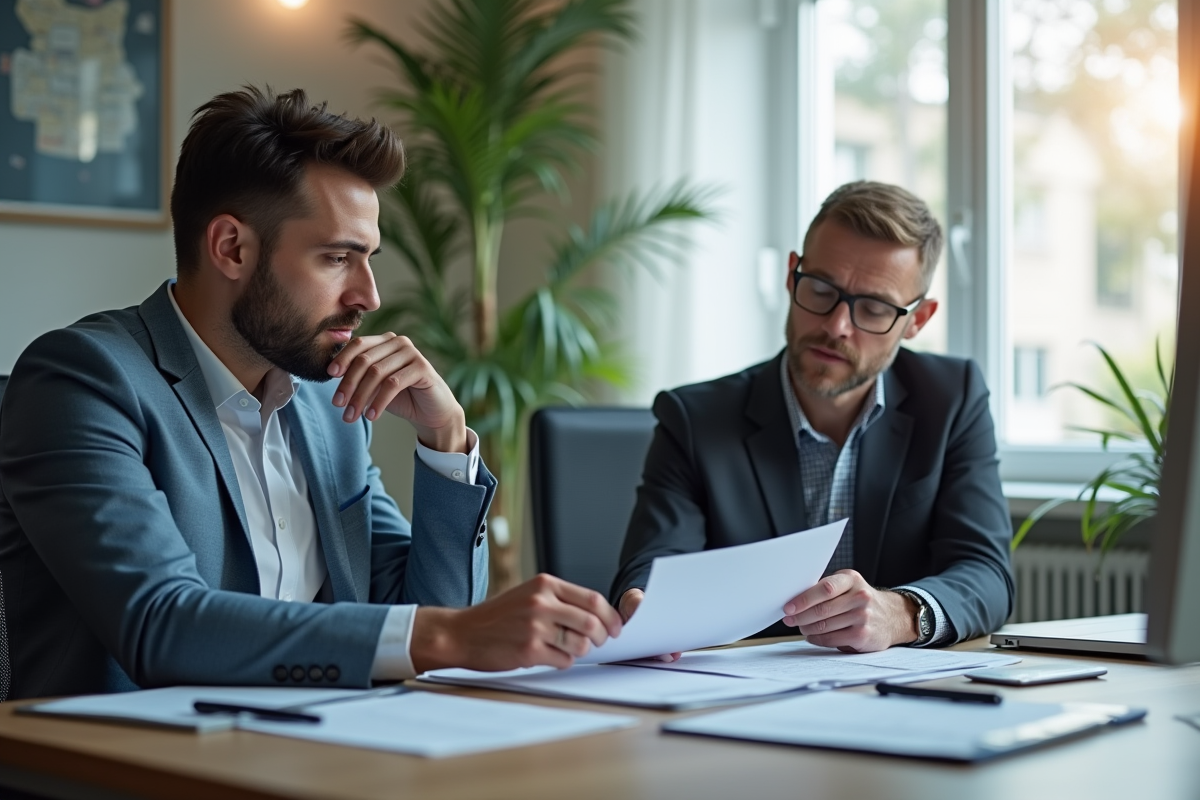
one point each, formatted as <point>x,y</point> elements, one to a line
<point>978,201</point>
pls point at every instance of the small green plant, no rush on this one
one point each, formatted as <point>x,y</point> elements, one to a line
<point>1135,477</point>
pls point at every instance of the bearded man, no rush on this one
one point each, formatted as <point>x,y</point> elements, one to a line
<point>188,495</point>
<point>844,423</point>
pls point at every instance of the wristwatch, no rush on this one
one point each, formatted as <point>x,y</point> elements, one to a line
<point>924,618</point>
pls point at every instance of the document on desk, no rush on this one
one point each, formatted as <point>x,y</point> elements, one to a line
<point>172,707</point>
<point>437,725</point>
<point>624,685</point>
<point>905,726</point>
<point>719,596</point>
<point>824,667</point>
<point>394,718</point>
<point>713,677</point>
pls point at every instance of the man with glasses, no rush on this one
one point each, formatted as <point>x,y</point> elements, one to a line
<point>844,423</point>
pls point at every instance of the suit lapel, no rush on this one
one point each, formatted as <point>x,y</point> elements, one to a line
<point>304,427</point>
<point>881,456</point>
<point>175,357</point>
<point>772,451</point>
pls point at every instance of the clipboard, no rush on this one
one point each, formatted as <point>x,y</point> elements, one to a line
<point>908,726</point>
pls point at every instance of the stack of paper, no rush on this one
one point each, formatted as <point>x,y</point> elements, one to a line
<point>624,685</point>
<point>822,667</point>
<point>713,677</point>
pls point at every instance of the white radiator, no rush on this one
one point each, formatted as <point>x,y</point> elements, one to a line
<point>1055,582</point>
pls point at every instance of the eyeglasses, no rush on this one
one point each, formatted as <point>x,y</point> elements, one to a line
<point>819,296</point>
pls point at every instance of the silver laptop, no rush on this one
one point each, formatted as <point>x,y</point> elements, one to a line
<point>1120,634</point>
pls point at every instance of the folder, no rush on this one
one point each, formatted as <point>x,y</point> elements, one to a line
<point>908,726</point>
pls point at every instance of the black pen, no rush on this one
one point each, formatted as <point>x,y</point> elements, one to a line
<point>262,712</point>
<point>986,698</point>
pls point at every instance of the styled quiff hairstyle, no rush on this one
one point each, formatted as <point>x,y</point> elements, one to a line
<point>246,153</point>
<point>887,213</point>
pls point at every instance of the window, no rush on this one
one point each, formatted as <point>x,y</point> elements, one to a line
<point>1094,121</point>
<point>1044,133</point>
<point>886,62</point>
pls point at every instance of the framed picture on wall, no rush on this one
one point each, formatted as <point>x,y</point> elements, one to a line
<point>83,111</point>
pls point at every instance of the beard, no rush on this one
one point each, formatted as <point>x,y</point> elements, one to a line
<point>819,379</point>
<point>274,327</point>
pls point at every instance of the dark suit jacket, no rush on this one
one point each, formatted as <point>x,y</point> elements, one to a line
<point>928,509</point>
<point>123,538</point>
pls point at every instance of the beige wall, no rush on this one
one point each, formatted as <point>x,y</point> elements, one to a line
<point>50,275</point>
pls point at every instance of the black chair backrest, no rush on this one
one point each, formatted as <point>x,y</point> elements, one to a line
<point>585,467</point>
<point>5,665</point>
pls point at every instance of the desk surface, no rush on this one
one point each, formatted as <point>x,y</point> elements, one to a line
<point>1158,758</point>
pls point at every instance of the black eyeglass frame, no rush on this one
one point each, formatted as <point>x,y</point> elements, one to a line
<point>849,300</point>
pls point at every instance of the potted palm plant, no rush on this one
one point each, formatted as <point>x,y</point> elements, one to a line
<point>493,123</point>
<point>1142,415</point>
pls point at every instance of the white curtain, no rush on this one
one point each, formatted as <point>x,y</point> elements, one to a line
<point>692,99</point>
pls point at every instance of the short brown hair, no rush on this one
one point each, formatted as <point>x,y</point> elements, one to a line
<point>245,155</point>
<point>887,213</point>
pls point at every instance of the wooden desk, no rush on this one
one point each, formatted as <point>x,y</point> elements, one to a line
<point>1154,760</point>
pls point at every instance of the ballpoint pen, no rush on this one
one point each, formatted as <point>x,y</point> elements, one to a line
<point>262,712</point>
<point>292,713</point>
<point>986,698</point>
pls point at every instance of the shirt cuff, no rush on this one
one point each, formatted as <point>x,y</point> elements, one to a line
<point>461,467</point>
<point>392,659</point>
<point>943,631</point>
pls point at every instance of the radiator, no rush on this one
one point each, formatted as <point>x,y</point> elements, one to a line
<point>1055,582</point>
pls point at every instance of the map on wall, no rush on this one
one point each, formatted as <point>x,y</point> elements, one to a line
<point>81,108</point>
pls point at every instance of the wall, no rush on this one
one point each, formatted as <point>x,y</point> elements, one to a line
<point>50,275</point>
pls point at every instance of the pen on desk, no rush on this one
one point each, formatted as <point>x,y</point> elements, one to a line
<point>272,714</point>
<point>986,698</point>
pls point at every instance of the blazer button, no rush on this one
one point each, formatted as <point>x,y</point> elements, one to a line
<point>298,674</point>
<point>483,527</point>
<point>479,540</point>
<point>332,673</point>
<point>280,673</point>
<point>316,674</point>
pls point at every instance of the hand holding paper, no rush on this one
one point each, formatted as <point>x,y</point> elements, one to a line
<point>719,596</point>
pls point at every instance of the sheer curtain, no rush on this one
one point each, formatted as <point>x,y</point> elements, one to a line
<point>699,97</point>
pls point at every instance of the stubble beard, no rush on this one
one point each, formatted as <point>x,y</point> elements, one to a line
<point>273,326</point>
<point>818,379</point>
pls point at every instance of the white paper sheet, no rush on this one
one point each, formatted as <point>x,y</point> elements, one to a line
<point>605,683</point>
<point>719,596</point>
<point>436,725</point>
<point>172,707</point>
<point>810,665</point>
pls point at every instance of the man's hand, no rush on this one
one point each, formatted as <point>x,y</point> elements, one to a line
<point>628,604</point>
<point>387,371</point>
<point>543,621</point>
<point>846,612</point>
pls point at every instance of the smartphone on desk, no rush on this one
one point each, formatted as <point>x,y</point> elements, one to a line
<point>1036,675</point>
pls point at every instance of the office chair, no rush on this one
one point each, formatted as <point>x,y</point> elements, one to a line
<point>5,665</point>
<point>585,467</point>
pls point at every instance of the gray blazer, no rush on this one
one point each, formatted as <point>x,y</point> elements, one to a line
<point>928,509</point>
<point>123,538</point>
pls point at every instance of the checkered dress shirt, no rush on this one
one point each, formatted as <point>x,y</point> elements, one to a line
<point>827,475</point>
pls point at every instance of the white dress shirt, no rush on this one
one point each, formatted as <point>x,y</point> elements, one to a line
<point>274,489</point>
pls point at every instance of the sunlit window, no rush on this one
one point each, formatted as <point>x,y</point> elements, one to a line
<point>1094,224</point>
<point>886,62</point>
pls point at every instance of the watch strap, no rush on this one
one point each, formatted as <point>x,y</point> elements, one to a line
<point>924,618</point>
